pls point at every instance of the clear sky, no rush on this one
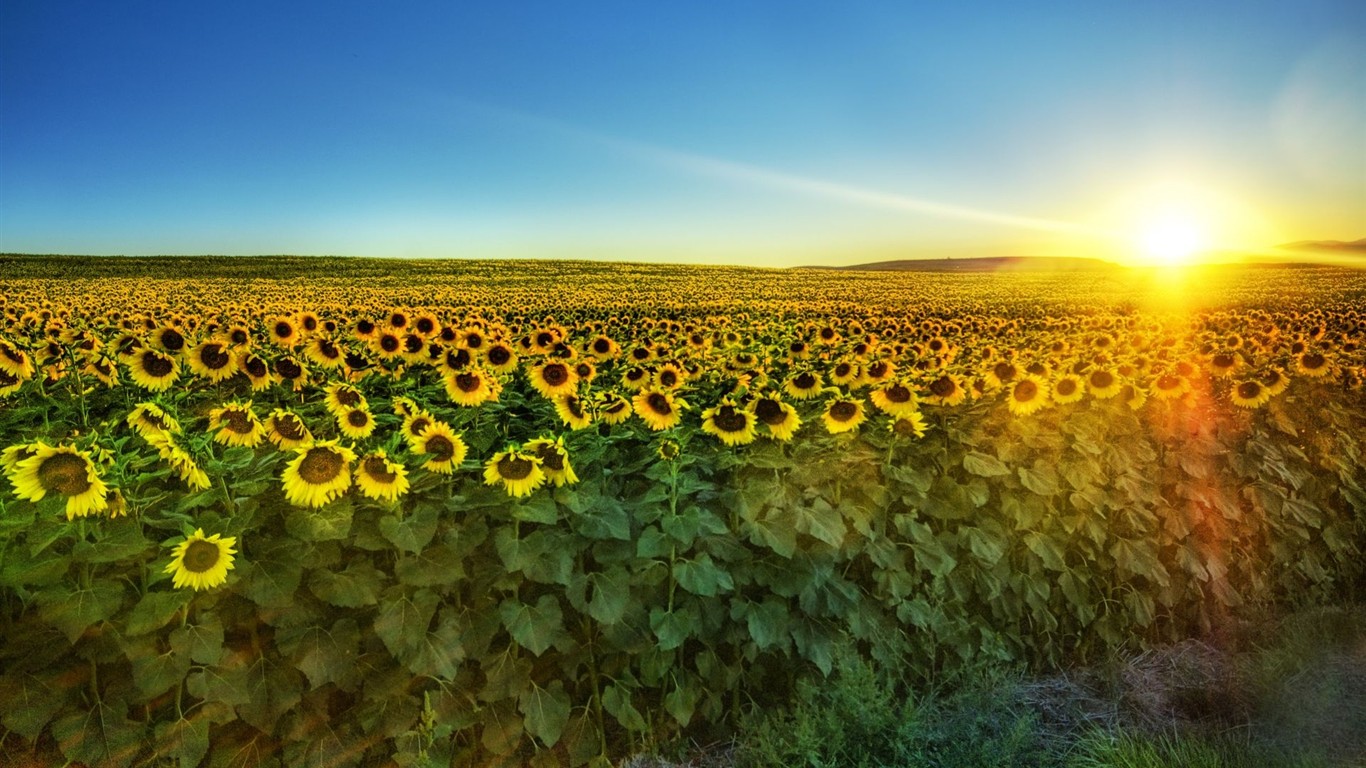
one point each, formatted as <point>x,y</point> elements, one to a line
<point>774,133</point>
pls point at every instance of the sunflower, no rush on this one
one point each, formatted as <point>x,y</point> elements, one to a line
<point>659,410</point>
<point>844,373</point>
<point>554,460</point>
<point>181,461</point>
<point>212,360</point>
<point>1169,386</point>
<point>1027,394</point>
<point>571,411</point>
<point>1134,396</point>
<point>286,431</point>
<point>153,370</point>
<point>1275,381</point>
<point>803,385</point>
<point>99,366</point>
<point>318,473</point>
<point>290,370</point>
<point>552,379</point>
<point>150,417</point>
<point>517,471</point>
<point>669,377</point>
<point>284,333</point>
<point>603,348</point>
<point>9,383</point>
<point>236,424</point>
<point>635,378</point>
<point>416,424</point>
<point>201,562</point>
<point>843,414</point>
<point>894,399</point>
<point>1103,383</point>
<point>14,361</point>
<point>1069,388</point>
<point>1250,394</point>
<point>380,478</point>
<point>910,425</point>
<point>1002,373</point>
<point>11,456</point>
<point>733,425</point>
<point>64,471</point>
<point>500,358</point>
<point>325,352</point>
<point>255,369</point>
<point>878,371</point>
<point>446,449</point>
<point>471,387</point>
<point>341,398</point>
<point>611,408</point>
<point>357,423</point>
<point>169,339</point>
<point>779,419</point>
<point>1312,363</point>
<point>387,345</point>
<point>946,390</point>
<point>1224,364</point>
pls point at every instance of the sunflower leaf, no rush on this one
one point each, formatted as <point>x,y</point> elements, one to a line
<point>412,532</point>
<point>984,465</point>
<point>545,711</point>
<point>101,735</point>
<point>535,628</point>
<point>73,611</point>
<point>155,610</point>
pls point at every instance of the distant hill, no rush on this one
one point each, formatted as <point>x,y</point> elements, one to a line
<point>985,264</point>
<point>1346,248</point>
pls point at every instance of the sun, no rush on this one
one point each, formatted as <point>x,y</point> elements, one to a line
<point>1171,238</point>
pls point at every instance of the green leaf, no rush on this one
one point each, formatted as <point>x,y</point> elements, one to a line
<point>434,566</point>
<point>326,656</point>
<point>155,610</point>
<point>767,623</point>
<point>329,522</point>
<point>102,736</point>
<point>413,532</point>
<point>545,711</point>
<point>21,568</point>
<point>933,556</point>
<point>123,540</point>
<point>273,689</point>
<point>186,741</point>
<point>610,595</point>
<point>537,508</point>
<point>358,585</point>
<point>30,702</point>
<point>440,651</point>
<point>156,673</point>
<point>201,641</point>
<point>502,729</point>
<point>702,576</point>
<point>272,580</point>
<point>984,465</point>
<point>73,611</point>
<point>681,702</point>
<point>617,701</point>
<point>821,521</point>
<point>774,531</point>
<point>1047,549</point>
<point>653,543</point>
<point>403,620</point>
<point>673,628</point>
<point>225,685</point>
<point>986,547</point>
<point>535,628</point>
<point>1041,479</point>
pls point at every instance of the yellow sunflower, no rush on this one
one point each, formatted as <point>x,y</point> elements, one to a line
<point>255,369</point>
<point>909,425</point>
<point>169,339</point>
<point>470,387</point>
<point>1103,383</point>
<point>1275,381</point>
<point>611,408</point>
<point>733,425</point>
<point>895,399</point>
<point>659,410</point>
<point>500,358</point>
<point>570,408</point>
<point>201,562</point>
<point>150,417</point>
<point>552,379</point>
<point>286,431</point>
<point>415,424</point>
<point>1313,364</point>
<point>152,370</point>
<point>1027,393</point>
<point>779,419</point>
<point>518,472</point>
<point>554,460</point>
<point>1069,388</point>
<point>843,415</point>
<point>318,473</point>
<point>64,471</point>
<point>15,361</point>
<point>236,424</point>
<point>180,460</point>
<point>356,423</point>
<point>447,449</point>
<point>381,478</point>
<point>340,398</point>
<point>946,390</point>
<point>1250,394</point>
<point>1169,386</point>
<point>803,386</point>
<point>669,377</point>
<point>845,373</point>
<point>212,360</point>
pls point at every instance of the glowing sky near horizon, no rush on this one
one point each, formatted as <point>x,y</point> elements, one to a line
<point>755,133</point>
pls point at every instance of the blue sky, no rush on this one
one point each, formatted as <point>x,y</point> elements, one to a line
<point>760,133</point>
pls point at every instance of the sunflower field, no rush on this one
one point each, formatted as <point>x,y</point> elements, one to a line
<point>343,512</point>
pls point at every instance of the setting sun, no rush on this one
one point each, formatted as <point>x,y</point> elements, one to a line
<point>1172,238</point>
